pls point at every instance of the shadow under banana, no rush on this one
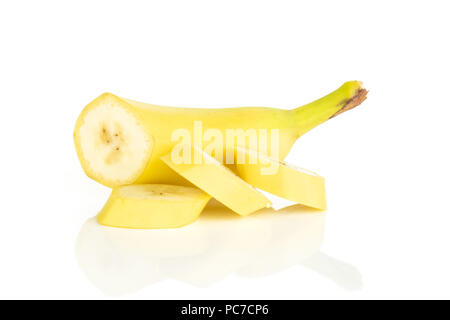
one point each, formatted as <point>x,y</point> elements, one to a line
<point>220,243</point>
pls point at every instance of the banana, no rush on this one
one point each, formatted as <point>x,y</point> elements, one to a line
<point>120,141</point>
<point>152,206</point>
<point>286,181</point>
<point>220,182</point>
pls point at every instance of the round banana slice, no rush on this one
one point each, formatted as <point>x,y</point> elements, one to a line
<point>149,206</point>
<point>281,179</point>
<point>217,180</point>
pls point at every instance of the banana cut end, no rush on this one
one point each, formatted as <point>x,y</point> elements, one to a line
<point>112,145</point>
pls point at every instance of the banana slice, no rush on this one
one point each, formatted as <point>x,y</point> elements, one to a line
<point>283,180</point>
<point>220,182</point>
<point>149,206</point>
<point>112,144</point>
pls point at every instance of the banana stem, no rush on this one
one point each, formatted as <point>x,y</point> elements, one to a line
<point>348,96</point>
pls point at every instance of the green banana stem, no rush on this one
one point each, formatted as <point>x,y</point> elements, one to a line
<point>348,96</point>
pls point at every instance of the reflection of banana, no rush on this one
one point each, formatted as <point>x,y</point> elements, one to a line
<point>345,275</point>
<point>115,271</point>
<point>215,246</point>
<point>232,243</point>
<point>295,237</point>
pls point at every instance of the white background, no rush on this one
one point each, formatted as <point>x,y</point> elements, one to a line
<point>386,232</point>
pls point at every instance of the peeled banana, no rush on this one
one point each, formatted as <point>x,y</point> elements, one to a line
<point>135,147</point>
<point>152,206</point>
<point>120,141</point>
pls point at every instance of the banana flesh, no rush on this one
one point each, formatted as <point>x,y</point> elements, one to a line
<point>152,206</point>
<point>112,144</point>
<point>220,182</point>
<point>126,145</point>
<point>281,179</point>
<point>120,141</point>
